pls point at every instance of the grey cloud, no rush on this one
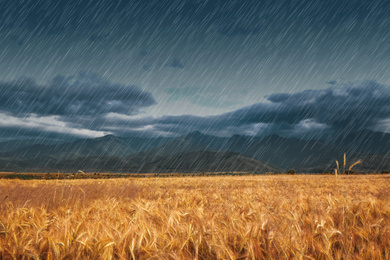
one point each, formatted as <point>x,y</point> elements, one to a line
<point>8,133</point>
<point>99,37</point>
<point>146,67</point>
<point>83,95</point>
<point>356,105</point>
<point>344,108</point>
<point>239,30</point>
<point>143,53</point>
<point>175,63</point>
<point>209,97</point>
<point>331,82</point>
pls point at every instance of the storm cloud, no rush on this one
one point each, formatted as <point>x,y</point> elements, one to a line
<point>353,104</point>
<point>175,63</point>
<point>86,94</point>
<point>343,108</point>
<point>96,107</point>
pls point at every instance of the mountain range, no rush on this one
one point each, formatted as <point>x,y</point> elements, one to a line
<point>197,152</point>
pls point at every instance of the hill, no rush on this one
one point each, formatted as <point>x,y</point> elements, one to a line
<point>198,152</point>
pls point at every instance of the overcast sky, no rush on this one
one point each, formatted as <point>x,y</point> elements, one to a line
<point>90,68</point>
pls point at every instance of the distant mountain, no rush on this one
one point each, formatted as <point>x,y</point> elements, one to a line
<point>373,163</point>
<point>286,153</point>
<point>107,145</point>
<point>282,152</point>
<point>96,164</point>
<point>209,161</point>
<point>199,161</point>
<point>198,152</point>
<point>362,142</point>
<point>18,144</point>
<point>187,143</point>
<point>103,146</point>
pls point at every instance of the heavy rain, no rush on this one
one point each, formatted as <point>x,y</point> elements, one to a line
<point>194,86</point>
<point>194,129</point>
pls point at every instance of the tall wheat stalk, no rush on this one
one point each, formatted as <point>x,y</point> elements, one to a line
<point>345,161</point>
<point>338,168</point>
<point>355,163</point>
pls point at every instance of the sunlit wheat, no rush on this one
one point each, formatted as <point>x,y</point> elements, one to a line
<point>252,217</point>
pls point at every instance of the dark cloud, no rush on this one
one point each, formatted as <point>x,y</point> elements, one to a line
<point>175,63</point>
<point>44,17</point>
<point>146,67</point>
<point>350,106</point>
<point>331,82</point>
<point>66,15</point>
<point>209,97</point>
<point>83,95</point>
<point>8,133</point>
<point>143,53</point>
<point>340,109</point>
<point>99,37</point>
<point>238,30</point>
<point>355,104</point>
<point>344,108</point>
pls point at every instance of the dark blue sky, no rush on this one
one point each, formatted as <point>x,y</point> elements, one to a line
<point>88,68</point>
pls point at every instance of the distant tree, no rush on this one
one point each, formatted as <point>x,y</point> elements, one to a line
<point>291,172</point>
<point>350,172</point>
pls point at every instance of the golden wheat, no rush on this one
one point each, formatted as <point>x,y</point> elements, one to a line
<point>252,217</point>
<point>352,165</point>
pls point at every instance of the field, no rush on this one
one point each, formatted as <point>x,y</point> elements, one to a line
<point>108,175</point>
<point>220,217</point>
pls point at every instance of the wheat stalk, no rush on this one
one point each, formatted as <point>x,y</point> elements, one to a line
<point>345,162</point>
<point>345,159</point>
<point>355,163</point>
<point>205,218</point>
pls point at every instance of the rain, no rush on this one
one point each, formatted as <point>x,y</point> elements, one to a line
<point>166,86</point>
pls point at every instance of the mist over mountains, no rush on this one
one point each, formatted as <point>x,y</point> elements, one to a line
<point>197,152</point>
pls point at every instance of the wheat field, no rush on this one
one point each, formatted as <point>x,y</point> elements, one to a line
<point>246,217</point>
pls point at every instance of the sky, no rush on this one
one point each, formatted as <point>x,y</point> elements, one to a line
<point>142,67</point>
